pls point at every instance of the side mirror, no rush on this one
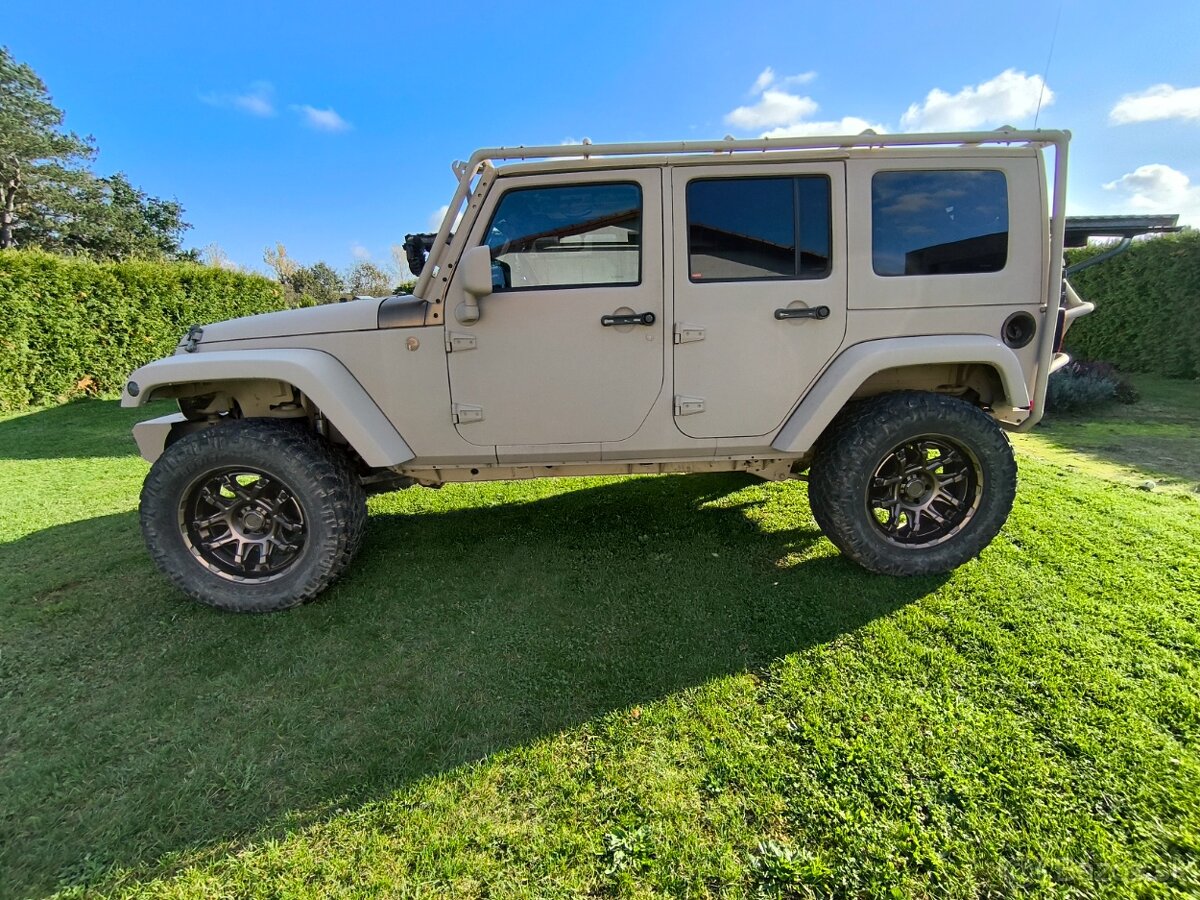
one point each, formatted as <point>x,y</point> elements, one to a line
<point>475,270</point>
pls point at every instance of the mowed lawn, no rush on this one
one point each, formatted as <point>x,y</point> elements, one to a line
<point>656,686</point>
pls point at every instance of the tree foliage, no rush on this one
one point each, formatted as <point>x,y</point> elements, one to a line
<point>48,196</point>
<point>304,285</point>
<point>104,218</point>
<point>320,282</point>
<point>366,279</point>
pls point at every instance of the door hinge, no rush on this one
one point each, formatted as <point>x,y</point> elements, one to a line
<point>457,340</point>
<point>685,334</point>
<point>465,413</point>
<point>688,406</point>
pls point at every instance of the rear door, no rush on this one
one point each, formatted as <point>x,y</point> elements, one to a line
<point>760,291</point>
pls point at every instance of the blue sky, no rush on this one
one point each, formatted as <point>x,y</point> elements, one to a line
<point>331,127</point>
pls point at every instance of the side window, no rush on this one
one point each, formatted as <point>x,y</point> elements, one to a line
<point>939,222</point>
<point>746,229</point>
<point>570,236</point>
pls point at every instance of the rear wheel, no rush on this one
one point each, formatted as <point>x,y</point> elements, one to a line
<point>252,516</point>
<point>913,483</point>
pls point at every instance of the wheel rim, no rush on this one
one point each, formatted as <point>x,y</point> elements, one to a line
<point>243,524</point>
<point>924,491</point>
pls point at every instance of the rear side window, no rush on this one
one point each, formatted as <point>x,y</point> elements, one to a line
<point>582,235</point>
<point>746,229</point>
<point>939,222</point>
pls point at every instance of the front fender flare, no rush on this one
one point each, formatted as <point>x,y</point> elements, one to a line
<point>318,375</point>
<point>854,366</point>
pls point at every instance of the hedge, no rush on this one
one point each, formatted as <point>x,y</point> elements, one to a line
<point>70,326</point>
<point>1147,316</point>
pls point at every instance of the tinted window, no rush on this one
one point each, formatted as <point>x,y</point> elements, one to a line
<point>568,236</point>
<point>939,223</point>
<point>753,228</point>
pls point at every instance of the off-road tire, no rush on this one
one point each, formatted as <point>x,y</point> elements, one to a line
<point>320,480</point>
<point>854,448</point>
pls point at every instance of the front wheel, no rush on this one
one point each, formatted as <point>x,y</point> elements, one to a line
<point>252,516</point>
<point>913,483</point>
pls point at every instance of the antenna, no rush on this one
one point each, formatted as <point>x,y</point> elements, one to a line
<point>1049,56</point>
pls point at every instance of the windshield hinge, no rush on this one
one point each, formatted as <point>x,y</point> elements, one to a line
<point>457,340</point>
<point>464,413</point>
<point>688,406</point>
<point>685,334</point>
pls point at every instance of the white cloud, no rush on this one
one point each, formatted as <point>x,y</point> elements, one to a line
<point>1005,99</point>
<point>321,119</point>
<point>773,108</point>
<point>358,251</point>
<point>844,125</point>
<point>765,79</point>
<point>1162,101</point>
<point>1157,188</point>
<point>256,100</point>
<point>435,218</point>
<point>796,80</point>
<point>786,114</point>
<point>776,107</point>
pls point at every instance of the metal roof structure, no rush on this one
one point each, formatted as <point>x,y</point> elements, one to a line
<point>1080,228</point>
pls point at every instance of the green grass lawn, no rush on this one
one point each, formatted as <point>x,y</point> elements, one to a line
<point>1156,439</point>
<point>658,686</point>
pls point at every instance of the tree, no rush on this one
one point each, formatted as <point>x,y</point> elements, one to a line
<point>214,255</point>
<point>48,196</point>
<point>104,218</point>
<point>320,281</point>
<point>36,156</point>
<point>282,264</point>
<point>400,267</point>
<point>365,279</point>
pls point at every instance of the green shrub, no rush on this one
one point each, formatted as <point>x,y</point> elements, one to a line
<point>70,325</point>
<point>1147,316</point>
<point>1080,386</point>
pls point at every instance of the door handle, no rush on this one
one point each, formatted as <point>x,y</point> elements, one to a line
<point>810,312</point>
<point>646,318</point>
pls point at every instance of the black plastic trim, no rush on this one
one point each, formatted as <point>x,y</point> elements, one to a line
<point>402,311</point>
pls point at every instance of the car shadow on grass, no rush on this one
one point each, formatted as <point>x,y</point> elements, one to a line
<point>143,732</point>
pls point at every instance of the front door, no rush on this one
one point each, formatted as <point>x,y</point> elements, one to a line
<point>568,348</point>
<point>760,291</point>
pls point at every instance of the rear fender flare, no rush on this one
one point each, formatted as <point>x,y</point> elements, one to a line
<point>324,380</point>
<point>855,365</point>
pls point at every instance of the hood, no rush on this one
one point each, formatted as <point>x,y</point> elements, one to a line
<point>354,315</point>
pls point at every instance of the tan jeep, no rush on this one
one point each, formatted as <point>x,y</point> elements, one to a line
<point>870,312</point>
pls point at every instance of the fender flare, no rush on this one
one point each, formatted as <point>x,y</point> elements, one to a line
<point>858,363</point>
<point>318,375</point>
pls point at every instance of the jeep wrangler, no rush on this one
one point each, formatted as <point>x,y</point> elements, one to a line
<point>870,312</point>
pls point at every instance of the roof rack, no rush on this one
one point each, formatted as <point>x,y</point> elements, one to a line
<point>868,138</point>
